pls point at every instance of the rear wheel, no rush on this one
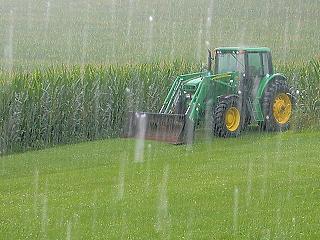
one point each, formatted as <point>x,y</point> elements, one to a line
<point>226,119</point>
<point>277,106</point>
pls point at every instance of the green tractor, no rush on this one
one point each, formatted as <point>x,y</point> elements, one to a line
<point>240,89</point>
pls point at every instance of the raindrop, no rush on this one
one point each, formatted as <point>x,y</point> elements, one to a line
<point>94,217</point>
<point>286,36</point>
<point>150,36</point>
<point>249,184</point>
<point>209,22</point>
<point>29,21</point>
<point>2,166</point>
<point>243,32</point>
<point>69,228</point>
<point>8,48</point>
<point>267,14</point>
<point>278,216</point>
<point>199,47</point>
<point>47,16</point>
<point>114,30</point>
<point>149,159</point>
<point>121,181</point>
<point>69,44</point>
<point>36,190</point>
<point>124,226</point>
<point>235,210</point>
<point>69,38</point>
<point>163,217</point>
<point>130,14</point>
<point>264,177</point>
<point>189,225</point>
<point>139,150</point>
<point>173,41</point>
<point>293,226</point>
<point>290,180</point>
<point>44,219</point>
<point>85,42</point>
<point>298,26</point>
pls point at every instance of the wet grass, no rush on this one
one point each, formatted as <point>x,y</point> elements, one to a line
<point>259,186</point>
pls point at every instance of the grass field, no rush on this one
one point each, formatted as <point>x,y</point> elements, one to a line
<point>37,33</point>
<point>259,186</point>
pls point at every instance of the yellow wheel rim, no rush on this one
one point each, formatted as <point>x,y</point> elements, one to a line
<point>282,108</point>
<point>232,119</point>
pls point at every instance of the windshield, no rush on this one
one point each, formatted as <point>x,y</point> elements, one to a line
<point>230,62</point>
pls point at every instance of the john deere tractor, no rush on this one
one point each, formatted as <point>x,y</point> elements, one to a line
<point>239,89</point>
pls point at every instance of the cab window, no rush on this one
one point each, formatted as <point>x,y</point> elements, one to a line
<point>230,62</point>
<point>266,63</point>
<point>255,67</point>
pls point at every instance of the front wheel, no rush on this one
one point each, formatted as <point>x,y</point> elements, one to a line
<point>226,118</point>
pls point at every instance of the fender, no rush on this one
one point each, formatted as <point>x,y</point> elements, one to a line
<point>266,80</point>
<point>256,104</point>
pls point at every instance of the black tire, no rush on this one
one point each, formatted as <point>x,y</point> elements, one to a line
<point>219,121</point>
<point>271,95</point>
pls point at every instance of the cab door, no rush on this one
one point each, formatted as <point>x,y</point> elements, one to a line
<point>258,66</point>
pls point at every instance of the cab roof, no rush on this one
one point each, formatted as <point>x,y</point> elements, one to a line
<point>247,49</point>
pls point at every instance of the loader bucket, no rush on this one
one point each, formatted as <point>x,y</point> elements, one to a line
<point>156,126</point>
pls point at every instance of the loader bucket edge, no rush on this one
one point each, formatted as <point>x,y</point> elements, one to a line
<point>156,126</point>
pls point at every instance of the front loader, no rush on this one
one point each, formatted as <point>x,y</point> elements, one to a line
<point>239,89</point>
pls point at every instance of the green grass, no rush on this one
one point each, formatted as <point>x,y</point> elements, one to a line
<point>259,186</point>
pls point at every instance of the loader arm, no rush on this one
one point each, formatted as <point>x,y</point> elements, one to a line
<point>162,126</point>
<point>167,126</point>
<point>175,88</point>
<point>198,105</point>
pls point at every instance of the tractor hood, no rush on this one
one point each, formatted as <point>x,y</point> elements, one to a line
<point>192,85</point>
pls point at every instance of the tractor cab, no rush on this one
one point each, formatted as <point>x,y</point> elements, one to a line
<point>244,60</point>
<point>253,64</point>
<point>229,61</point>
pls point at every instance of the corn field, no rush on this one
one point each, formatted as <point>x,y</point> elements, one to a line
<point>68,105</point>
<point>71,104</point>
<point>305,77</point>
